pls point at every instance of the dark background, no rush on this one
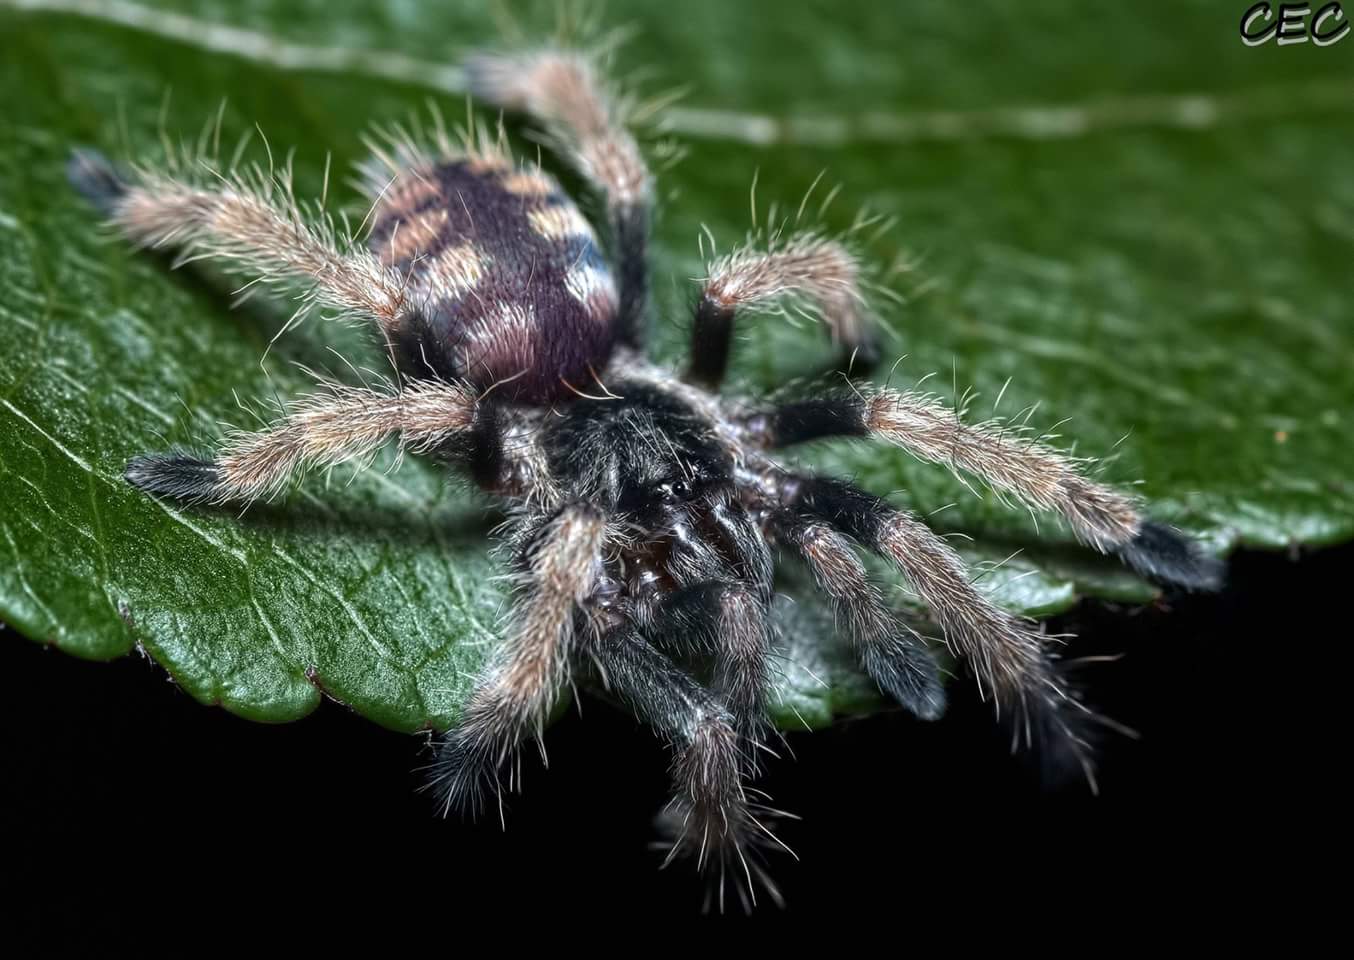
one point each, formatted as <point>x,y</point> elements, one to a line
<point>1226,691</point>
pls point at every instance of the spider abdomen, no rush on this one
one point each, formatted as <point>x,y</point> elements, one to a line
<point>505,275</point>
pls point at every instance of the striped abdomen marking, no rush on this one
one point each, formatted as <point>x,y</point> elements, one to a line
<point>508,280</point>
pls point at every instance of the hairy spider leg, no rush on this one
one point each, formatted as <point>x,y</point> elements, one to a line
<point>559,571</point>
<point>323,429</point>
<point>586,126</point>
<point>728,623</point>
<point>1005,651</point>
<point>254,225</point>
<point>709,815</point>
<point>888,650</point>
<point>1035,474</point>
<point>807,267</point>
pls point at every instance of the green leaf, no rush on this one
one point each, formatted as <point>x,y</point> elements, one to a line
<point>1136,220</point>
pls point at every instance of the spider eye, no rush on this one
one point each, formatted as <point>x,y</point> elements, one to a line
<point>675,491</point>
<point>680,489</point>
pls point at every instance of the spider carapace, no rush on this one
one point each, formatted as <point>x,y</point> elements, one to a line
<point>645,508</point>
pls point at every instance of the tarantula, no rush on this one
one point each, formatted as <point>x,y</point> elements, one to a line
<point>644,507</point>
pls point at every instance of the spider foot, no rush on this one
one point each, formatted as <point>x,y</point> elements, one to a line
<point>1058,732</point>
<point>96,179</point>
<point>178,475</point>
<point>465,773</point>
<point>729,848</point>
<point>906,673</point>
<point>1165,555</point>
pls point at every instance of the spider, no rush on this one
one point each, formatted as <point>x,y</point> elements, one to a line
<point>645,508</point>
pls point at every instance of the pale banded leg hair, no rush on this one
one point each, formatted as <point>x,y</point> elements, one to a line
<point>1006,652</point>
<point>326,428</point>
<point>1038,475</point>
<point>743,631</point>
<point>813,272</point>
<point>561,569</point>
<point>254,225</point>
<point>1002,457</point>
<point>889,651</point>
<point>563,91</point>
<point>1043,479</point>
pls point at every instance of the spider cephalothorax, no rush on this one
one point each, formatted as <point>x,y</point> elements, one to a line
<point>645,509</point>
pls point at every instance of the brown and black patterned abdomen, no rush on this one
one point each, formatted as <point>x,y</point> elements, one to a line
<point>506,280</point>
